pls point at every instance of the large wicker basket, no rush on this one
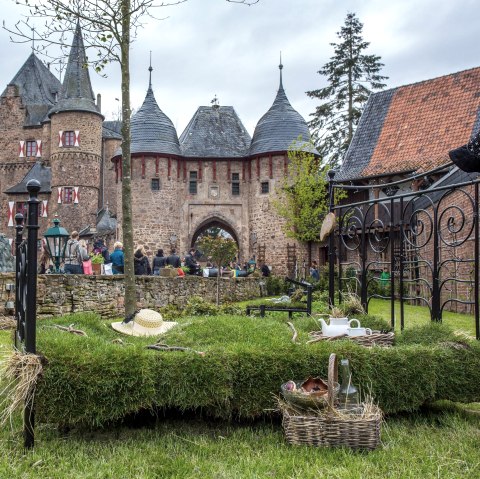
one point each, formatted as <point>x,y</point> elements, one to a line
<point>377,338</point>
<point>330,427</point>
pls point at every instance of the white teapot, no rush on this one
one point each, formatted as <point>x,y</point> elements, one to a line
<point>337,326</point>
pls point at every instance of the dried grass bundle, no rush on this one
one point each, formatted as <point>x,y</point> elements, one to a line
<point>7,323</point>
<point>21,373</point>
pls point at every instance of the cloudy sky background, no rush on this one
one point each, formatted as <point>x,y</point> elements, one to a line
<point>211,47</point>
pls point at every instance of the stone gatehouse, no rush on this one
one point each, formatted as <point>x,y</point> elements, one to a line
<point>213,174</point>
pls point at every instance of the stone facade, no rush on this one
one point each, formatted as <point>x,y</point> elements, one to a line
<point>215,175</point>
<point>63,294</point>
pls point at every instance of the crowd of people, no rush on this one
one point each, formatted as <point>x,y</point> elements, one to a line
<point>78,260</point>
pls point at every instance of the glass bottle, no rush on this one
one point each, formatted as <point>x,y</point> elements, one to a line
<point>348,398</point>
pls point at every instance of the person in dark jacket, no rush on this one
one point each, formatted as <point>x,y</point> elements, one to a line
<point>174,260</point>
<point>99,247</point>
<point>141,263</point>
<point>265,270</point>
<point>159,262</point>
<point>191,262</point>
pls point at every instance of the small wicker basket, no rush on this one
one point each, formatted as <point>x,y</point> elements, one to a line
<point>305,400</point>
<point>330,427</point>
<point>377,338</point>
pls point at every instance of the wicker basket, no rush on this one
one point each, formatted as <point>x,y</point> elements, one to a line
<point>304,400</point>
<point>377,338</point>
<point>329,427</point>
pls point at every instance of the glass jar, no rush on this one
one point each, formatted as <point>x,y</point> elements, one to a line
<point>348,397</point>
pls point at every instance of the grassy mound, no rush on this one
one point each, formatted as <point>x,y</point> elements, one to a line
<point>93,380</point>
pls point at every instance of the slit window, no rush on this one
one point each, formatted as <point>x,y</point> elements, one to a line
<point>155,184</point>
<point>235,184</point>
<point>264,187</point>
<point>192,185</point>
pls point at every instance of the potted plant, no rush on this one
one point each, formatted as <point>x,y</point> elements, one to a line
<point>97,261</point>
<point>168,272</point>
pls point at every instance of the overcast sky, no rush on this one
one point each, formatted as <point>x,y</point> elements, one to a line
<point>211,47</point>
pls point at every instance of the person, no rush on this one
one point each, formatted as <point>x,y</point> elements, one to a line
<point>117,258</point>
<point>314,271</point>
<point>100,248</point>
<point>141,263</point>
<point>265,270</point>
<point>159,262</point>
<point>44,265</point>
<point>191,262</point>
<point>73,257</point>
<point>384,277</point>
<point>174,260</point>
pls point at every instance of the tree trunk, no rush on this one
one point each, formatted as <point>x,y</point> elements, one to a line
<point>130,300</point>
<point>218,283</point>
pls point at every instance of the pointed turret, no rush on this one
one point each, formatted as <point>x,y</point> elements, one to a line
<point>152,131</point>
<point>279,127</point>
<point>76,93</point>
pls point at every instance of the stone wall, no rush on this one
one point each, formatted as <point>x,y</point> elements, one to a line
<point>63,294</point>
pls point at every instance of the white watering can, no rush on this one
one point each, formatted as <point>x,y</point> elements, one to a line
<point>337,326</point>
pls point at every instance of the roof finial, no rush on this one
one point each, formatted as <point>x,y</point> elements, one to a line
<point>215,103</point>
<point>280,68</point>
<point>150,70</point>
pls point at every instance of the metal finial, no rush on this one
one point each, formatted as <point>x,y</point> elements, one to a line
<point>33,39</point>
<point>281,68</point>
<point>150,70</point>
<point>215,103</point>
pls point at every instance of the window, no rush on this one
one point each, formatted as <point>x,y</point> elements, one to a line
<point>68,138</point>
<point>264,187</point>
<point>235,184</point>
<point>155,184</point>
<point>67,195</point>
<point>31,148</point>
<point>192,186</point>
<point>21,207</point>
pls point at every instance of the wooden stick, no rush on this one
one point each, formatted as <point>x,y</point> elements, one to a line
<point>70,329</point>
<point>295,334</point>
<point>165,347</point>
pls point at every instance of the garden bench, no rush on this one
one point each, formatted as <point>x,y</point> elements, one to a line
<point>307,289</point>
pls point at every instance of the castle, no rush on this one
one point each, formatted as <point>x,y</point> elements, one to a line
<point>213,174</point>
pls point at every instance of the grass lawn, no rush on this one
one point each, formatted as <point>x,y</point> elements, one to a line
<point>418,315</point>
<point>439,443</point>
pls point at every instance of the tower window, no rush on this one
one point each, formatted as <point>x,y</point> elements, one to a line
<point>67,195</point>
<point>235,184</point>
<point>31,148</point>
<point>264,187</point>
<point>155,184</point>
<point>192,186</point>
<point>21,207</point>
<point>68,138</point>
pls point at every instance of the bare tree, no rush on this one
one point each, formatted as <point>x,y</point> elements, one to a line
<point>109,27</point>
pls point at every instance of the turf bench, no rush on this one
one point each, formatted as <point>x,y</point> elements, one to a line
<point>307,289</point>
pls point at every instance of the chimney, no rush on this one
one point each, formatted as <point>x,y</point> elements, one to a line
<point>99,102</point>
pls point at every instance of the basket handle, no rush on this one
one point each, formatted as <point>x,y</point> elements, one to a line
<point>332,378</point>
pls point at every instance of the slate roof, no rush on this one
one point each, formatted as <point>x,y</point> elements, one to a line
<point>412,127</point>
<point>112,129</point>
<point>277,128</point>
<point>37,87</point>
<point>38,172</point>
<point>215,132</point>
<point>76,93</point>
<point>151,130</point>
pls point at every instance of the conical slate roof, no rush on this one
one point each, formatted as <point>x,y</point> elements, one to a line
<point>38,172</point>
<point>37,87</point>
<point>279,127</point>
<point>152,131</point>
<point>76,93</point>
<point>215,132</point>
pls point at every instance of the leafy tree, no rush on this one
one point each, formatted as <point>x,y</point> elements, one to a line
<point>222,250</point>
<point>352,76</point>
<point>109,27</point>
<point>302,199</point>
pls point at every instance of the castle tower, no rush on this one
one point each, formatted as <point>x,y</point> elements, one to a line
<point>76,144</point>
<point>273,136</point>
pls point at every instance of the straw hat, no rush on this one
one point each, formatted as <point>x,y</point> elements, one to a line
<point>145,323</point>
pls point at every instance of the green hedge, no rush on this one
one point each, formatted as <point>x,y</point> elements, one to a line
<point>91,381</point>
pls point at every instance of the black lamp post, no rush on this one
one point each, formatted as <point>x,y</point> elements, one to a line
<point>56,239</point>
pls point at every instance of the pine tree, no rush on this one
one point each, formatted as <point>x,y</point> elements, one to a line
<point>351,76</point>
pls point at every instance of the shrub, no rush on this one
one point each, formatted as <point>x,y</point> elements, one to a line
<point>276,286</point>
<point>91,380</point>
<point>197,306</point>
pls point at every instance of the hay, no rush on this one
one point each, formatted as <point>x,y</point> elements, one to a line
<point>7,323</point>
<point>21,372</point>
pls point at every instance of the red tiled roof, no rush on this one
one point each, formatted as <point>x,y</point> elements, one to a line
<point>423,121</point>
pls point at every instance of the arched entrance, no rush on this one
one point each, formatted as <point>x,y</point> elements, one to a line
<point>214,227</point>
